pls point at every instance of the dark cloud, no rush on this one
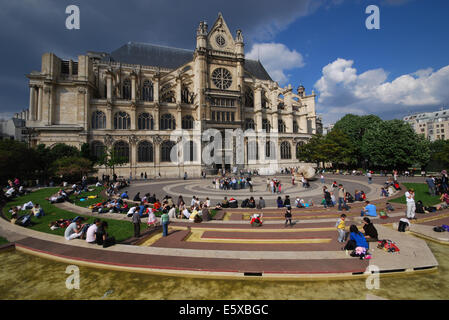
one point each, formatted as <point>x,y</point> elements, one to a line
<point>30,28</point>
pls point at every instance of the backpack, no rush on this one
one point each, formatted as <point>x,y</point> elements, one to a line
<point>402,225</point>
<point>383,215</point>
<point>445,226</point>
<point>388,246</point>
<point>439,229</point>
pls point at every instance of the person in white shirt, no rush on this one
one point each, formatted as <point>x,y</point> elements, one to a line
<point>90,234</point>
<point>411,207</point>
<point>172,213</point>
<point>131,211</point>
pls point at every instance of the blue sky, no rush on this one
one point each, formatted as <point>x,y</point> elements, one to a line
<point>322,44</point>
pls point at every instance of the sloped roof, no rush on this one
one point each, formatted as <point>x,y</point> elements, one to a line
<point>166,57</point>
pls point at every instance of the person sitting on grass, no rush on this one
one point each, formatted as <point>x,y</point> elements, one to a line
<point>389,207</point>
<point>91,231</point>
<point>37,211</point>
<point>74,230</point>
<point>137,197</point>
<point>371,234</point>
<point>383,193</point>
<point>369,210</point>
<point>124,195</point>
<point>102,237</point>
<point>157,205</point>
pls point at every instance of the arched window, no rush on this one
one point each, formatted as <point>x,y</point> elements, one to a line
<point>252,150</point>
<point>126,89</point>
<point>189,151</point>
<point>299,145</point>
<point>270,150</point>
<point>122,121</point>
<point>121,150</point>
<point>266,125</point>
<point>145,152</point>
<point>168,122</point>
<point>145,121</point>
<point>98,149</point>
<point>98,120</point>
<point>147,91</point>
<point>286,150</point>
<point>187,122</point>
<point>281,126</point>
<point>249,98</point>
<point>167,95</point>
<point>295,126</point>
<point>166,147</point>
<point>249,124</point>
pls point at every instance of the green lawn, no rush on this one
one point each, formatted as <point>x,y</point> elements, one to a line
<point>421,193</point>
<point>85,204</point>
<point>121,230</point>
<point>3,241</point>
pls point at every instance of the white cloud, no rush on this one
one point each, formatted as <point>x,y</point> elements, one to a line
<point>342,90</point>
<point>277,59</point>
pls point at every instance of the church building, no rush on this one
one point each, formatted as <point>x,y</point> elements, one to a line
<point>134,99</point>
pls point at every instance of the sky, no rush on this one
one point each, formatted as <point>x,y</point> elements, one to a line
<point>324,45</point>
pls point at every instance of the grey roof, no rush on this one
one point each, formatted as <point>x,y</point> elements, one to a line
<point>166,57</point>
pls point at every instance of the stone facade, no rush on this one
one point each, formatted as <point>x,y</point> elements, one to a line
<point>135,98</point>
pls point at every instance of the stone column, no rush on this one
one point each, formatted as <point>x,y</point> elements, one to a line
<point>156,89</point>
<point>39,104</point>
<point>109,117</point>
<point>133,87</point>
<point>32,103</point>
<point>109,87</point>
<point>178,117</point>
<point>258,108</point>
<point>303,124</point>
<point>156,117</point>
<point>133,116</point>
<point>274,120</point>
<point>51,105</point>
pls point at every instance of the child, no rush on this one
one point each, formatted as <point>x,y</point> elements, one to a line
<point>341,226</point>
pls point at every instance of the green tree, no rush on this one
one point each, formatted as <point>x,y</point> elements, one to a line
<point>339,149</point>
<point>112,159</point>
<point>354,127</point>
<point>73,168</point>
<point>17,161</point>
<point>439,155</point>
<point>394,144</point>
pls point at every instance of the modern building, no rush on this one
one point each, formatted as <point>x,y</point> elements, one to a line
<point>136,98</point>
<point>433,125</point>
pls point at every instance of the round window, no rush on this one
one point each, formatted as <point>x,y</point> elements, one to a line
<point>222,78</point>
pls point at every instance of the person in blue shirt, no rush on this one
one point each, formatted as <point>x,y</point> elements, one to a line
<point>124,195</point>
<point>369,210</point>
<point>358,237</point>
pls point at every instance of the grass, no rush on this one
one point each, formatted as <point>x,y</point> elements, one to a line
<point>85,204</point>
<point>3,241</point>
<point>421,193</point>
<point>121,230</point>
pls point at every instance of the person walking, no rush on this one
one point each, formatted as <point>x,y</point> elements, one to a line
<point>288,217</point>
<point>431,184</point>
<point>411,207</point>
<point>136,223</point>
<point>341,198</point>
<point>370,177</point>
<point>165,220</point>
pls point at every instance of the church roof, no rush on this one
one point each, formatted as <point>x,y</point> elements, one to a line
<point>166,57</point>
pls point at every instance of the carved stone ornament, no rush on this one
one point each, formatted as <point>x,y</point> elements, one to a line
<point>157,139</point>
<point>133,139</point>
<point>108,140</point>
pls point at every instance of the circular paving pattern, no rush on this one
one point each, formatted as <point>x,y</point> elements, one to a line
<point>203,188</point>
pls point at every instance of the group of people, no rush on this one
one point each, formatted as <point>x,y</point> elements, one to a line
<point>95,233</point>
<point>233,183</point>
